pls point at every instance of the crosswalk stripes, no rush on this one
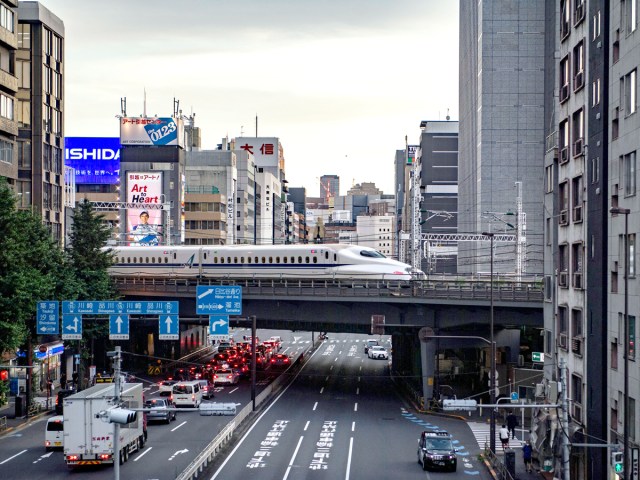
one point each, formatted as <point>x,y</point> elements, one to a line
<point>481,432</point>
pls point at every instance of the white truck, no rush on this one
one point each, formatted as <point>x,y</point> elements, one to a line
<point>88,435</point>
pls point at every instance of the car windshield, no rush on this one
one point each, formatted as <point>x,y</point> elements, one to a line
<point>439,444</point>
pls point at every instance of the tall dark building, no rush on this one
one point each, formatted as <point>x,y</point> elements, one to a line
<point>8,91</point>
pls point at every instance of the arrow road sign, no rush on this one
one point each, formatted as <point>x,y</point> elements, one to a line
<point>72,327</point>
<point>219,327</point>
<point>47,318</point>
<point>169,327</point>
<point>100,307</point>
<point>219,299</point>
<point>119,327</point>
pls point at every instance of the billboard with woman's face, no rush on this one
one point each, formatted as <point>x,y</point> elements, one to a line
<point>144,224</point>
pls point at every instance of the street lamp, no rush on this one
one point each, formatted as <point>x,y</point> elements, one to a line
<point>492,373</point>
<point>625,212</point>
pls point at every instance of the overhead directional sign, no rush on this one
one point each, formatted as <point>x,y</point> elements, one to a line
<point>449,405</point>
<point>169,327</point>
<point>72,327</point>
<point>47,318</point>
<point>219,327</point>
<point>219,299</point>
<point>119,327</point>
<point>99,307</point>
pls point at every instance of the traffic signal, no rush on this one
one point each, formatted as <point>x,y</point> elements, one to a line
<point>4,375</point>
<point>121,416</point>
<point>617,462</point>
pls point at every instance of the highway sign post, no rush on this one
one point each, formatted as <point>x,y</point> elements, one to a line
<point>219,327</point>
<point>72,327</point>
<point>169,327</point>
<point>219,299</point>
<point>48,318</point>
<point>119,327</point>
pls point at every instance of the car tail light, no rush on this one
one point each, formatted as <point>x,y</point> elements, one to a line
<point>105,456</point>
<point>193,398</point>
<point>47,443</point>
<point>73,458</point>
<point>171,398</point>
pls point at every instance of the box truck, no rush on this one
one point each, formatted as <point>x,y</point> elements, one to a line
<point>88,431</point>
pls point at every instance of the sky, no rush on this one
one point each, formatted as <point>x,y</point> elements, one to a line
<point>339,82</point>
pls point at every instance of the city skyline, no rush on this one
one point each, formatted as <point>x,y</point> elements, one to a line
<point>339,84</point>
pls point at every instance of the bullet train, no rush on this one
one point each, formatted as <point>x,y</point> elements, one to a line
<point>260,261</point>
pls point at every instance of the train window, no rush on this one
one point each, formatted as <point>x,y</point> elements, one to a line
<point>175,255</point>
<point>256,260</point>
<point>153,259</point>
<point>270,259</point>
<point>326,255</point>
<point>248,259</point>
<point>306,259</point>
<point>293,259</point>
<point>205,255</point>
<point>335,257</point>
<point>235,259</point>
<point>264,260</point>
<point>166,260</point>
<point>241,259</point>
<point>146,260</point>
<point>315,259</point>
<point>134,259</point>
<point>228,259</point>
<point>284,259</point>
<point>128,260</point>
<point>299,259</point>
<point>140,260</point>
<point>215,259</point>
<point>221,259</point>
<point>277,259</point>
<point>371,254</point>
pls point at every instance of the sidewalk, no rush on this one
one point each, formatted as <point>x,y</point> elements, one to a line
<point>9,412</point>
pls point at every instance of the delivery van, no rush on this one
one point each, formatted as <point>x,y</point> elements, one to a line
<point>187,394</point>
<point>54,433</point>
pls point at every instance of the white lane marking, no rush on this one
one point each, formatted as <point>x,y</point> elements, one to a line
<point>355,407</point>
<point>327,378</point>
<point>293,457</point>
<point>11,458</point>
<point>138,457</point>
<point>315,405</point>
<point>353,426</point>
<point>306,425</point>
<point>339,353</point>
<point>336,359</point>
<point>175,428</point>
<point>358,391</point>
<point>231,391</point>
<point>346,477</point>
<point>239,444</point>
<point>331,367</point>
<point>321,390</point>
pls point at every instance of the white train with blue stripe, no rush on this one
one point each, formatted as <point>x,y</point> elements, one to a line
<point>260,261</point>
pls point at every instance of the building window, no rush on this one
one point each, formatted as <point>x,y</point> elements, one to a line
<point>6,152</point>
<point>564,79</point>
<point>6,107</point>
<point>564,18</point>
<point>614,355</point>
<point>630,15</point>
<point>632,337</point>
<point>595,170</point>
<point>6,18</point>
<point>549,178</point>
<point>562,320</point>
<point>578,11</point>
<point>632,254</point>
<point>563,141</point>
<point>595,92</point>
<point>563,273</point>
<point>577,254</point>
<point>596,25</point>
<point>577,198</point>
<point>563,199</point>
<point>578,132</point>
<point>578,66</point>
<point>629,171</point>
<point>629,92</point>
<point>24,36</point>
<point>632,418</point>
<point>576,388</point>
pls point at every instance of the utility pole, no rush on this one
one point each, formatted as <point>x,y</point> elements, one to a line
<point>116,426</point>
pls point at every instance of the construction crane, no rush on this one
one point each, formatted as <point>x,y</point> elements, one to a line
<point>327,190</point>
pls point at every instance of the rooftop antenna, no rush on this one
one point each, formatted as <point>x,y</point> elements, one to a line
<point>256,125</point>
<point>144,103</point>
<point>448,117</point>
<point>176,107</point>
<point>123,106</point>
<point>242,130</point>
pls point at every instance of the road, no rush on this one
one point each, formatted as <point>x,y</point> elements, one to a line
<point>342,419</point>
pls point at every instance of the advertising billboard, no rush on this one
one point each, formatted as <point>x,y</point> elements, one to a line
<point>265,150</point>
<point>151,131</point>
<point>144,225</point>
<point>96,160</point>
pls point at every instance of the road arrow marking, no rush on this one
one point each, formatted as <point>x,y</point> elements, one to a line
<point>184,450</point>
<point>46,455</point>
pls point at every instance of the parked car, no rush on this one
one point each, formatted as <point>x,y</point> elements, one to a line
<point>228,376</point>
<point>159,410</point>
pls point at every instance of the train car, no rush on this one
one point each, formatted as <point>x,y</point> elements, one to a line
<point>260,261</point>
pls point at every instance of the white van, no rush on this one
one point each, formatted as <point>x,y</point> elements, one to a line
<point>54,433</point>
<point>186,394</point>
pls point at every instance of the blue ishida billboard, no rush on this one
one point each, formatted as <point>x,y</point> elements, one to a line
<point>95,160</point>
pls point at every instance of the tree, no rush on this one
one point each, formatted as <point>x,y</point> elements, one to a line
<point>31,268</point>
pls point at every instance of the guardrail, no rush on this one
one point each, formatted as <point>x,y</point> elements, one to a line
<point>210,451</point>
<point>456,288</point>
<point>498,466</point>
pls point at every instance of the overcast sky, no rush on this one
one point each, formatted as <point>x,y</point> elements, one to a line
<point>340,82</point>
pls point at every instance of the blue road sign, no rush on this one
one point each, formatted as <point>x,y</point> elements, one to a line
<point>48,318</point>
<point>169,327</point>
<point>514,396</point>
<point>71,327</point>
<point>218,299</point>
<point>119,327</point>
<point>219,325</point>
<point>100,307</point>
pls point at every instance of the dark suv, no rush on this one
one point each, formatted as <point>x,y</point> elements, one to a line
<point>436,451</point>
<point>60,398</point>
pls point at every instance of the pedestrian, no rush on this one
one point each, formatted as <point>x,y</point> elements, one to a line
<point>512,423</point>
<point>504,436</point>
<point>63,381</point>
<point>526,455</point>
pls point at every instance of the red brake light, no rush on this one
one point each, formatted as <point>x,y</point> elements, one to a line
<point>73,457</point>
<point>105,456</point>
